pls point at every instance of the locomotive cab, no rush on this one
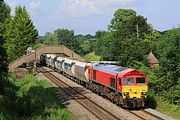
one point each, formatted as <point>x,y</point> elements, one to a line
<point>134,88</point>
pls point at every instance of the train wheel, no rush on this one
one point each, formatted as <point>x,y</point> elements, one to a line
<point>95,87</point>
<point>117,99</point>
<point>106,91</point>
<point>102,91</point>
<point>90,86</point>
<point>121,100</point>
<point>87,86</point>
<point>111,96</point>
<point>142,104</point>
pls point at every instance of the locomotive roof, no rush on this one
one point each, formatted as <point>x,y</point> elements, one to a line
<point>113,69</point>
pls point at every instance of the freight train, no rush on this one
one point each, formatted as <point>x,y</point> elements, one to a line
<point>123,86</point>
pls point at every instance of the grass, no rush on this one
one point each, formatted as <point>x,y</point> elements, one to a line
<point>168,109</point>
<point>35,100</point>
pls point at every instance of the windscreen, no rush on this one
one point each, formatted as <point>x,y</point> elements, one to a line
<point>128,81</point>
<point>140,80</point>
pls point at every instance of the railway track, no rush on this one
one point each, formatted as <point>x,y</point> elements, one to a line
<point>87,103</point>
<point>90,105</point>
<point>144,115</point>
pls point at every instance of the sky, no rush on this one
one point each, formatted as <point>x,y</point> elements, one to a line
<point>89,16</point>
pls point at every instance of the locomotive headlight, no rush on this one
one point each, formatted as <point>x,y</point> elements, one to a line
<point>143,93</point>
<point>126,93</point>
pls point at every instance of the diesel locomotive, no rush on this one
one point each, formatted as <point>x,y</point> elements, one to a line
<point>123,86</point>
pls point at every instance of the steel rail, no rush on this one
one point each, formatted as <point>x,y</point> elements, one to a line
<point>152,115</point>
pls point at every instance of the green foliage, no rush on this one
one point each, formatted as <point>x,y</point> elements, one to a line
<point>62,37</point>
<point>85,46</point>
<point>121,16</point>
<point>4,12</point>
<point>152,39</point>
<point>4,15</point>
<point>20,33</point>
<point>92,57</point>
<point>160,86</point>
<point>51,39</point>
<point>37,46</point>
<point>168,109</point>
<point>67,38</point>
<point>169,47</point>
<point>125,43</point>
<point>169,75</point>
<point>103,45</point>
<point>129,50</point>
<point>34,99</point>
<point>86,43</point>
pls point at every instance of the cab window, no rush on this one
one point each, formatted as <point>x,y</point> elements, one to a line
<point>128,81</point>
<point>140,81</point>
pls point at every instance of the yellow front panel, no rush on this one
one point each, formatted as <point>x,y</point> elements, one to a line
<point>134,91</point>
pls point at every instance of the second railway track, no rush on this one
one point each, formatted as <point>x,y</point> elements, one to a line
<point>144,115</point>
<point>100,112</point>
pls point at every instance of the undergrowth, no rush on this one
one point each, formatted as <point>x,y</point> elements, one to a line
<point>32,99</point>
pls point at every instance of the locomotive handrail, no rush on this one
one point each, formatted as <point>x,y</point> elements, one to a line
<point>41,50</point>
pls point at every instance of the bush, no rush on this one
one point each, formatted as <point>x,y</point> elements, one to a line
<point>34,99</point>
<point>92,57</point>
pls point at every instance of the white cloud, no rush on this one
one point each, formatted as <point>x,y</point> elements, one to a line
<point>111,2</point>
<point>87,7</point>
<point>34,4</point>
<point>78,7</point>
<point>85,4</point>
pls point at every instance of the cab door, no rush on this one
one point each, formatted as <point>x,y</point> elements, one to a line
<point>119,84</point>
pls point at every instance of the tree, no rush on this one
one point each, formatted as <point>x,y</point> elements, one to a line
<point>152,39</point>
<point>85,46</point>
<point>103,45</point>
<point>67,38</point>
<point>20,33</point>
<point>51,39</point>
<point>169,47</point>
<point>129,44</point>
<point>4,15</point>
<point>121,16</point>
